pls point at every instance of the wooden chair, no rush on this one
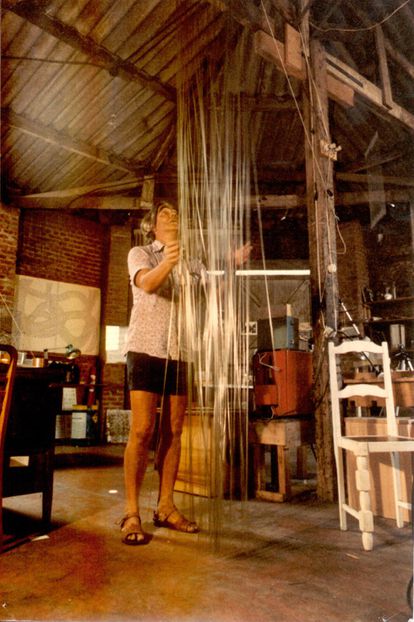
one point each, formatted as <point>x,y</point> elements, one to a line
<point>363,446</point>
<point>29,439</point>
<point>8,362</point>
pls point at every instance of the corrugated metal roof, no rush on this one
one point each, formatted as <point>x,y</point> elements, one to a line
<point>89,87</point>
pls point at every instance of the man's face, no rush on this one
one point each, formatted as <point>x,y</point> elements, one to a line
<point>166,222</point>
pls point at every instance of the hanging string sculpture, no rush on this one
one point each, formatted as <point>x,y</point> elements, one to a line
<point>214,191</point>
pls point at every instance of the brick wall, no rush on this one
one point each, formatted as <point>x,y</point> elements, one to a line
<point>353,273</point>
<point>391,256</point>
<point>60,247</point>
<point>117,286</point>
<point>9,218</point>
<point>115,394</point>
<point>116,313</point>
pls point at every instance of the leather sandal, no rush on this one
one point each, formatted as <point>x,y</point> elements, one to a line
<point>132,535</point>
<point>176,521</point>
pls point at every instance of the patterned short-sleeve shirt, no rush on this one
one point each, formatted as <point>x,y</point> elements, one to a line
<point>153,326</point>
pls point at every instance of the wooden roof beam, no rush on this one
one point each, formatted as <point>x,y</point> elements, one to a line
<point>66,198</point>
<point>250,15</point>
<point>369,91</point>
<point>343,81</point>
<point>82,198</point>
<point>293,201</point>
<point>63,141</point>
<point>362,178</point>
<point>399,58</point>
<point>383,68</point>
<point>33,12</point>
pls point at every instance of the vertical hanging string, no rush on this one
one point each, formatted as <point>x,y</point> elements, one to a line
<point>214,191</point>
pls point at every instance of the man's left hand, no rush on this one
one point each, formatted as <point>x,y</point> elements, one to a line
<point>241,254</point>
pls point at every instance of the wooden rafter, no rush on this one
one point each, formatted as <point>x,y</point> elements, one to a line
<point>340,78</point>
<point>84,198</point>
<point>383,68</point>
<point>399,58</point>
<point>386,180</point>
<point>369,91</point>
<point>33,12</point>
<point>250,15</point>
<point>63,141</point>
<point>340,75</point>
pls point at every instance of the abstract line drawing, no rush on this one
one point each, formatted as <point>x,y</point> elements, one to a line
<point>53,314</point>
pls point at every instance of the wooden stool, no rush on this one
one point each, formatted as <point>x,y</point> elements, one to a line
<point>281,435</point>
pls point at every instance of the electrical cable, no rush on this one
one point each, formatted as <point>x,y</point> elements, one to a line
<point>362,28</point>
<point>315,161</point>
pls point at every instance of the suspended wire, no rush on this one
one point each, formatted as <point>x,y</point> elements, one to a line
<point>315,159</point>
<point>362,28</point>
<point>213,155</point>
<point>309,139</point>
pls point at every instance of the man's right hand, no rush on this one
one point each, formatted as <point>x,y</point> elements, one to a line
<point>172,253</point>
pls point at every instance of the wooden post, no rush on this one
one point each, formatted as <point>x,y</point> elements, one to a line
<point>322,252</point>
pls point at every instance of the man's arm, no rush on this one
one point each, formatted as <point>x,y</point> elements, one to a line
<point>150,279</point>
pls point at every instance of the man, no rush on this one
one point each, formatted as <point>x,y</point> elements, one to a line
<point>155,368</point>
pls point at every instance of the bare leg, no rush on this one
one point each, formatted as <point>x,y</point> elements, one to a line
<point>168,459</point>
<point>169,448</point>
<point>143,405</point>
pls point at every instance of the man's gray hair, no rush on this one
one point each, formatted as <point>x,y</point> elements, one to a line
<point>150,219</point>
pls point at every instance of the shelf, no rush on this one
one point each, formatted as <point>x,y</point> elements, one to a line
<point>399,320</point>
<point>374,303</point>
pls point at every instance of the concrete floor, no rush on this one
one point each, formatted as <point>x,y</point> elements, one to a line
<point>284,562</point>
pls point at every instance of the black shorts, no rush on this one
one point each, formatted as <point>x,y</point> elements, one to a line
<point>155,375</point>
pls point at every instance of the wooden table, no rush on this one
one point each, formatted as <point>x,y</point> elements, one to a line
<point>281,434</point>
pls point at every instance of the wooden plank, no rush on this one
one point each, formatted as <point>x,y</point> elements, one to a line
<point>268,495</point>
<point>322,254</point>
<point>63,141</point>
<point>274,201</point>
<point>340,92</point>
<point>359,198</point>
<point>383,68</point>
<point>346,74</point>
<point>362,178</point>
<point>250,15</point>
<point>292,432</point>
<point>363,165</point>
<point>274,51</point>
<point>269,48</point>
<point>399,58</point>
<point>65,198</point>
<point>367,90</point>
<point>294,61</point>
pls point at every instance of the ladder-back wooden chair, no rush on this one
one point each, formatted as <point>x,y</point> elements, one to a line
<point>8,362</point>
<point>362,446</point>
